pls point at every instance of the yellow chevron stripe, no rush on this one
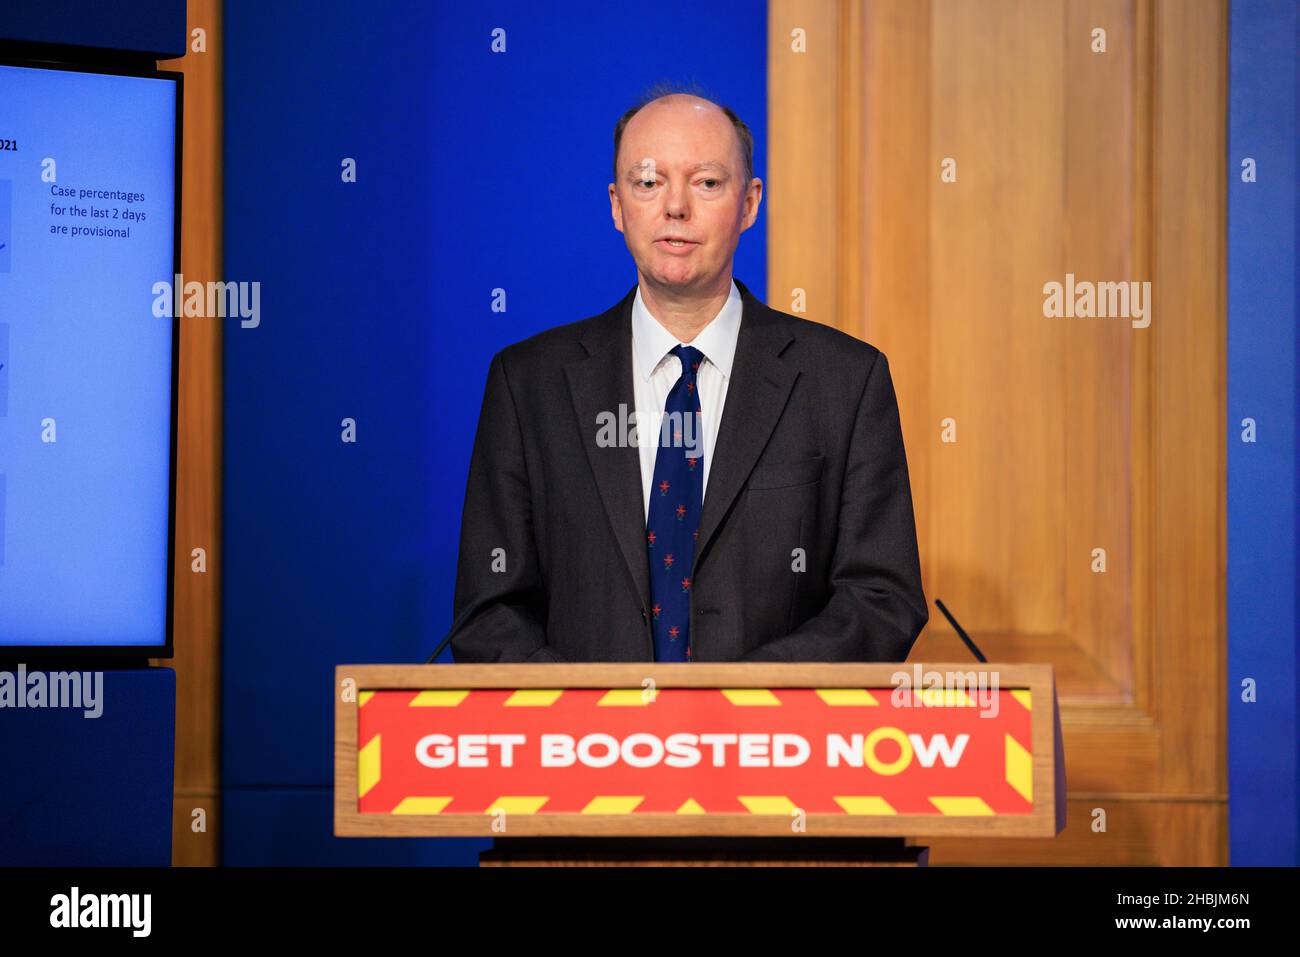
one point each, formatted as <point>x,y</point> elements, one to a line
<point>626,698</point>
<point>368,766</point>
<point>768,804</point>
<point>442,698</point>
<point>848,697</point>
<point>864,804</point>
<point>944,698</point>
<point>1025,697</point>
<point>518,803</point>
<point>962,806</point>
<point>751,697</point>
<point>422,805</point>
<point>691,806</point>
<point>533,698</point>
<point>363,697</point>
<point>613,804</point>
<point>1020,769</point>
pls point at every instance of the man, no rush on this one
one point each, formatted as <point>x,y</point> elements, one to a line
<point>760,508</point>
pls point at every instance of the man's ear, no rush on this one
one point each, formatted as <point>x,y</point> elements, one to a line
<point>615,209</point>
<point>753,199</point>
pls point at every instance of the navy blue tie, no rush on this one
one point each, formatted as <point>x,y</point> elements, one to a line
<point>673,523</point>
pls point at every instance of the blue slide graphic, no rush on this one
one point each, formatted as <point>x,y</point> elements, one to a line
<point>4,375</point>
<point>86,229</point>
<point>6,194</point>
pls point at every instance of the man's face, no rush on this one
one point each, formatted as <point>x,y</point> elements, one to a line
<point>681,175</point>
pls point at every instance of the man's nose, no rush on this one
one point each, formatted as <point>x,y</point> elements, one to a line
<point>676,205</point>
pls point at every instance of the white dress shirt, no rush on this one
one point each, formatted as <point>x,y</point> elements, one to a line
<point>655,372</point>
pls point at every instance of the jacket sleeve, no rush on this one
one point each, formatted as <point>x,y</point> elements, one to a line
<point>877,607</point>
<point>500,601</point>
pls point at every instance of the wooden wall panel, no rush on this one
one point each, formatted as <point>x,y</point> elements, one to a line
<point>198,475</point>
<point>897,171</point>
<point>1190,380</point>
<point>996,363</point>
<point>1073,434</point>
<point>812,140</point>
<point>1096,364</point>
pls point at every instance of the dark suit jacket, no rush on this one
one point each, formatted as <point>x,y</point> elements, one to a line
<point>809,456</point>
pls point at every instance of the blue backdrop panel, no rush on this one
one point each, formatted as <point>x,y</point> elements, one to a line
<point>274,824</point>
<point>154,27</point>
<point>82,791</point>
<point>476,171</point>
<point>1263,642</point>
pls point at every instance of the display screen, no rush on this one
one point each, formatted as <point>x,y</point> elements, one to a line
<point>87,232</point>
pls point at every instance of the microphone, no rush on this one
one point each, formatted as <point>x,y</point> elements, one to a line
<point>455,625</point>
<point>437,651</point>
<point>961,632</point>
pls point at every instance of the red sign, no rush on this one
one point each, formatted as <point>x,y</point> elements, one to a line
<point>845,751</point>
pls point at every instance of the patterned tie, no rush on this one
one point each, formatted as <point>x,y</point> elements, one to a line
<point>672,525</point>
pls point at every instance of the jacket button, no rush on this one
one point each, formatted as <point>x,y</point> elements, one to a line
<point>643,614</point>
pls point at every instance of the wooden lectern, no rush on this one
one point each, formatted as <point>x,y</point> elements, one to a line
<point>698,764</point>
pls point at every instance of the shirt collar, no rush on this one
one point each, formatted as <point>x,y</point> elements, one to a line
<point>651,341</point>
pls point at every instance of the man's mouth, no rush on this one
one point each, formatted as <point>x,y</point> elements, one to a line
<point>675,242</point>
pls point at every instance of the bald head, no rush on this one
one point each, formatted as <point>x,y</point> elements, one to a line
<point>678,113</point>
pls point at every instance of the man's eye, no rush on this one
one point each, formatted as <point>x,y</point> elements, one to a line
<point>647,183</point>
<point>709,181</point>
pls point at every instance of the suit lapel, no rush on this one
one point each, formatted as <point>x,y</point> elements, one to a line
<point>756,396</point>
<point>601,384</point>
